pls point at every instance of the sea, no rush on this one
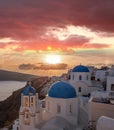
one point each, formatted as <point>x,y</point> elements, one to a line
<point>7,87</point>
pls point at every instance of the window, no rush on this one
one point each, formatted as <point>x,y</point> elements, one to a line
<point>87,77</point>
<point>26,118</point>
<point>112,87</point>
<point>26,115</point>
<point>48,106</point>
<point>70,108</point>
<point>79,89</point>
<point>43,104</point>
<point>69,77</point>
<point>98,79</point>
<point>26,101</point>
<point>80,77</point>
<point>73,77</point>
<point>58,108</point>
<point>31,99</point>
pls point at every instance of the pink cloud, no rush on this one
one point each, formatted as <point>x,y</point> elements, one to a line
<point>71,43</point>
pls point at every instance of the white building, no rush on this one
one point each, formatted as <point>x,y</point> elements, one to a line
<point>110,80</point>
<point>102,103</point>
<point>100,75</point>
<point>80,78</point>
<point>63,104</point>
<point>60,112</point>
<point>110,83</point>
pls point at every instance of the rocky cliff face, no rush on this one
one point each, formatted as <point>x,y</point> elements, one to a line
<point>9,108</point>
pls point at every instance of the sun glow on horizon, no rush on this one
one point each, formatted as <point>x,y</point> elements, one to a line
<point>53,59</point>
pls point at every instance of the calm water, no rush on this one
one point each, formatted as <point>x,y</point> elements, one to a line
<point>7,87</point>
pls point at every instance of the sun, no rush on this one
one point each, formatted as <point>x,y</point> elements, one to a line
<point>53,59</point>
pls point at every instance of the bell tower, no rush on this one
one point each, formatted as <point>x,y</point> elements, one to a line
<point>28,114</point>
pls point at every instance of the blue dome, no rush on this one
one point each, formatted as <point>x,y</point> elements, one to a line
<point>80,68</point>
<point>29,89</point>
<point>62,90</point>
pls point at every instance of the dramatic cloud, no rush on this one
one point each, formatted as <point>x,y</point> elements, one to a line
<point>26,18</point>
<point>25,24</point>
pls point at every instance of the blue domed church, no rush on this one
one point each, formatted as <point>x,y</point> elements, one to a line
<point>62,101</point>
<point>29,110</point>
<point>61,108</point>
<point>62,90</point>
<point>80,78</point>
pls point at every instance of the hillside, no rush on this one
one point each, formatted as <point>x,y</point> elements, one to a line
<point>15,76</point>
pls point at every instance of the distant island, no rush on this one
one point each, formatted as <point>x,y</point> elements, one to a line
<point>15,76</point>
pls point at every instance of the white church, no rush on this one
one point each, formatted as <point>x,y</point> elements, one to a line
<point>62,104</point>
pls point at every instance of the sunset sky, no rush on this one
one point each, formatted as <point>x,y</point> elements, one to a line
<point>79,31</point>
